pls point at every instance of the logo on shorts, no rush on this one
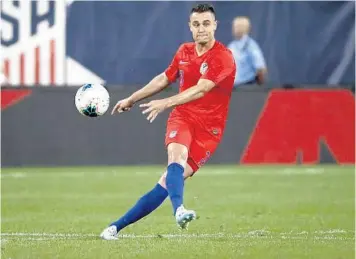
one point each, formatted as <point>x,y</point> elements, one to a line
<point>203,68</point>
<point>215,131</point>
<point>172,134</point>
<point>205,159</point>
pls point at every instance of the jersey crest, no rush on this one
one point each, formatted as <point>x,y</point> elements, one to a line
<point>203,68</point>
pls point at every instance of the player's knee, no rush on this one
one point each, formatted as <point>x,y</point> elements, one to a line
<point>188,172</point>
<point>177,153</point>
<point>162,180</point>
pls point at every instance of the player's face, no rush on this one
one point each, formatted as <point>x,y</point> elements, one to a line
<point>202,26</point>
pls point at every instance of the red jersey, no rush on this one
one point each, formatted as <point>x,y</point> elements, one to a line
<point>217,65</point>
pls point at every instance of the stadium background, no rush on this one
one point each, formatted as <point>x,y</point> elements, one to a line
<point>51,48</point>
<point>268,192</point>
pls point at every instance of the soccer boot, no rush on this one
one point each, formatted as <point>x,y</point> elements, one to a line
<point>184,216</point>
<point>110,233</point>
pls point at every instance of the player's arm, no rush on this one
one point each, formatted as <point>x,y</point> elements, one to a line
<point>192,93</point>
<point>219,67</point>
<point>160,82</point>
<point>156,85</point>
<point>195,92</point>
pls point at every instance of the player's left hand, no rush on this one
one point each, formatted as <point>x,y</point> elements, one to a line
<point>154,108</point>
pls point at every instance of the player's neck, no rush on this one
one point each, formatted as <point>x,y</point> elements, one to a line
<point>202,49</point>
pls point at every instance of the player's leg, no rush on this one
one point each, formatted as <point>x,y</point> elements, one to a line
<point>144,206</point>
<point>182,215</point>
<point>178,138</point>
<point>177,131</point>
<point>177,160</point>
<point>188,172</point>
<point>201,149</point>
<point>174,181</point>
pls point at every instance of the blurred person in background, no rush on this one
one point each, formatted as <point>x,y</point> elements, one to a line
<point>247,54</point>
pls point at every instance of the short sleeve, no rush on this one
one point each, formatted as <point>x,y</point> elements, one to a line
<point>219,66</point>
<point>172,70</point>
<point>258,60</point>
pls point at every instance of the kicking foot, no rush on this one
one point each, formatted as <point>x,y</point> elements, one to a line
<point>110,233</point>
<point>184,216</point>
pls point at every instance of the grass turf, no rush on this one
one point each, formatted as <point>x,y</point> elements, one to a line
<point>244,212</point>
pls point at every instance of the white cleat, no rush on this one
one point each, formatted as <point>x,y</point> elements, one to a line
<point>110,233</point>
<point>184,216</point>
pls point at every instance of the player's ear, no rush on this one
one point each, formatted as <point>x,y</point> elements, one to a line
<point>216,24</point>
<point>190,26</point>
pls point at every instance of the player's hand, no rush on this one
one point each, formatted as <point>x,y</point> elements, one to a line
<point>122,106</point>
<point>154,108</point>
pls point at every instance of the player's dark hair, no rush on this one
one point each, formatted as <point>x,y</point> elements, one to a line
<point>202,8</point>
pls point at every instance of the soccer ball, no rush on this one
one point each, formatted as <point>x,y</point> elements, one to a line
<point>92,100</point>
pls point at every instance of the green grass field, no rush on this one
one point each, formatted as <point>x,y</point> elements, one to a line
<point>244,212</point>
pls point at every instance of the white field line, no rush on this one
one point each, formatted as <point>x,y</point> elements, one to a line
<point>262,234</point>
<point>203,172</point>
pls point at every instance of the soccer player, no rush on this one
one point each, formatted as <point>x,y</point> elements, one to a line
<point>206,72</point>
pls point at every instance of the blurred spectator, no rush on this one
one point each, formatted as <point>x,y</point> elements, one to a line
<point>251,66</point>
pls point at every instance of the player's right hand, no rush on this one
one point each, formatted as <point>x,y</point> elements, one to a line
<point>122,106</point>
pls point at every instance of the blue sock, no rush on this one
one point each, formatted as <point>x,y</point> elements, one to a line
<point>144,206</point>
<point>175,184</point>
